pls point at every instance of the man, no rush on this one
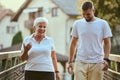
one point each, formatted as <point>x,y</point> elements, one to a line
<point>89,35</point>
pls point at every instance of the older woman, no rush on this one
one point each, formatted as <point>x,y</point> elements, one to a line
<point>39,51</point>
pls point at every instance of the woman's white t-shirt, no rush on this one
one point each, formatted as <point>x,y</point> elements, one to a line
<point>39,54</point>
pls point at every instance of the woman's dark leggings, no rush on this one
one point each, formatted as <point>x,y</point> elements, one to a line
<point>39,75</point>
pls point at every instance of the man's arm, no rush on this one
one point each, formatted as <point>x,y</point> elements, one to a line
<point>107,47</point>
<point>72,48</point>
<point>72,53</point>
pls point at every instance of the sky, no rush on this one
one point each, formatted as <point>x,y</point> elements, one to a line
<point>12,4</point>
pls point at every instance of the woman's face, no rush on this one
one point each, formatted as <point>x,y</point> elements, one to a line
<point>40,28</point>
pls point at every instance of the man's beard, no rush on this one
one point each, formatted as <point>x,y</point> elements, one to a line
<point>88,20</point>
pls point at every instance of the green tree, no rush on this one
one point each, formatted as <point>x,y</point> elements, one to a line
<point>17,38</point>
<point>108,10</point>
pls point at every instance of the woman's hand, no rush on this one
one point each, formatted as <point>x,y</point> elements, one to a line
<point>27,47</point>
<point>57,76</point>
<point>24,55</point>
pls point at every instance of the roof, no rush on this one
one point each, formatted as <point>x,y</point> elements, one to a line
<point>68,6</point>
<point>60,57</point>
<point>5,12</point>
<point>12,48</point>
<point>23,6</point>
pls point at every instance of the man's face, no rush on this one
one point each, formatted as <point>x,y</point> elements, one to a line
<point>88,14</point>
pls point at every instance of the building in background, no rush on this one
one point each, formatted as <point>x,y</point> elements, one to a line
<point>7,29</point>
<point>60,14</point>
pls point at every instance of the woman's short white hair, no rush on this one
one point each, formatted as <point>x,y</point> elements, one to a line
<point>40,19</point>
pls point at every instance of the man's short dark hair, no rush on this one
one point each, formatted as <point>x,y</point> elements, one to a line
<point>87,5</point>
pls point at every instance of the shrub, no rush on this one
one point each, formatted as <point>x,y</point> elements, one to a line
<point>17,38</point>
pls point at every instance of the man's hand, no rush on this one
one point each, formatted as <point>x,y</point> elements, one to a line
<point>70,68</point>
<point>106,65</point>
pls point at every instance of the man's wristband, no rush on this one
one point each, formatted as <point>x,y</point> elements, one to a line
<point>106,59</point>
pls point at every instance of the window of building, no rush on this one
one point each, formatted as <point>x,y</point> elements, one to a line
<point>70,32</point>
<point>33,15</point>
<point>10,29</point>
<point>54,11</point>
<point>1,46</point>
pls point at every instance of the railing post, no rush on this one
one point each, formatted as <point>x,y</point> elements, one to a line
<point>13,61</point>
<point>113,72</point>
<point>118,66</point>
<point>4,61</point>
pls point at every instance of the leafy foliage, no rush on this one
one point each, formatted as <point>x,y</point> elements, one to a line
<point>106,9</point>
<point>17,38</point>
<point>110,11</point>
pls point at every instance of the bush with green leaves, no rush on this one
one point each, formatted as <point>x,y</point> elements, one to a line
<point>17,38</point>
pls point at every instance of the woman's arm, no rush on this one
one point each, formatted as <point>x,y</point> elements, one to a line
<point>54,59</point>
